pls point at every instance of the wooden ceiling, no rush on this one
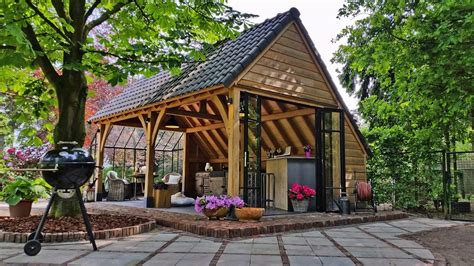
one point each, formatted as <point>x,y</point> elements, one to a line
<point>283,124</point>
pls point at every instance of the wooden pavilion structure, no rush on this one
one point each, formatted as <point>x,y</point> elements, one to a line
<point>266,90</point>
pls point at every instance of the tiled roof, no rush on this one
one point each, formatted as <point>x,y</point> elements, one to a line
<point>221,67</point>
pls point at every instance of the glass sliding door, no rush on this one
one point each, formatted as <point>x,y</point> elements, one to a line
<point>330,158</point>
<point>252,183</point>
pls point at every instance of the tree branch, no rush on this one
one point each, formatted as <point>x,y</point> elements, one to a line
<point>59,7</point>
<point>106,15</point>
<point>7,47</point>
<point>51,24</point>
<point>91,9</point>
<point>41,58</point>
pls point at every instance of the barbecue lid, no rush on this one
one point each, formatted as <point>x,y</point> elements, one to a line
<point>70,166</point>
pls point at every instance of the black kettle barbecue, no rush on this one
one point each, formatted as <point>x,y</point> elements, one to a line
<point>65,168</point>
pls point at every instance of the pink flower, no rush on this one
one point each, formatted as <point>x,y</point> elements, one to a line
<point>299,196</point>
<point>11,151</point>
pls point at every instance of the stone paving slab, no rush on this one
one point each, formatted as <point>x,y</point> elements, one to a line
<point>391,262</point>
<point>364,244</point>
<point>46,257</point>
<point>100,258</point>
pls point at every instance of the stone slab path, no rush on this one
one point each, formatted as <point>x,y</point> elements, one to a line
<point>365,244</point>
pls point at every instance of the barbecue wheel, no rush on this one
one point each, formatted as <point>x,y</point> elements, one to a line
<point>32,247</point>
<point>32,236</point>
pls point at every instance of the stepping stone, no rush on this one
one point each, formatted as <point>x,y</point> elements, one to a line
<point>299,250</point>
<point>327,251</point>
<point>261,260</point>
<point>357,242</point>
<point>304,260</point>
<point>421,252</point>
<point>195,259</point>
<point>165,259</point>
<point>110,258</point>
<point>391,262</point>
<point>402,243</point>
<point>336,261</point>
<point>134,246</point>
<point>238,248</point>
<point>265,249</point>
<point>180,247</point>
<point>46,257</point>
<point>366,252</point>
<point>234,260</point>
<point>267,240</point>
<point>294,240</point>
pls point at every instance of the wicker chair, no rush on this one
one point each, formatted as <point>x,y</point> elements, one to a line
<point>173,180</point>
<point>119,189</point>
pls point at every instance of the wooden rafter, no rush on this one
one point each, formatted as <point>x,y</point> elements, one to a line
<point>193,114</point>
<point>222,109</point>
<point>293,129</point>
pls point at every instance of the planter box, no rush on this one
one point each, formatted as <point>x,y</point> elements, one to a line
<point>162,198</point>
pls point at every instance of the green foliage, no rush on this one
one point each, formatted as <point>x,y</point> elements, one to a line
<point>111,40</point>
<point>18,188</point>
<point>410,63</point>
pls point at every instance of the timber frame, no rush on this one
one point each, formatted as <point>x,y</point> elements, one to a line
<point>285,69</point>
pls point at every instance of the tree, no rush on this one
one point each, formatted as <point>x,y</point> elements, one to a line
<point>141,37</point>
<point>411,64</point>
<point>111,39</point>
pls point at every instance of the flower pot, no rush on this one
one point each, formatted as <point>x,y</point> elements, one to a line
<point>22,209</point>
<point>249,214</point>
<point>307,154</point>
<point>215,213</point>
<point>300,205</point>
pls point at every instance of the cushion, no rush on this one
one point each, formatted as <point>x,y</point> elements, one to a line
<point>173,179</point>
<point>179,199</point>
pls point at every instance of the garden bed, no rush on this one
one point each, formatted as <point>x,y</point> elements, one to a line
<point>73,229</point>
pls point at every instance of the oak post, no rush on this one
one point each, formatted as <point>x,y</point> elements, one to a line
<point>151,124</point>
<point>233,131</point>
<point>104,130</point>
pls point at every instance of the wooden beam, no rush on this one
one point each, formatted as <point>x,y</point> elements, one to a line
<point>151,125</point>
<point>169,103</point>
<point>104,130</point>
<point>216,147</point>
<point>199,115</point>
<point>204,128</point>
<point>234,155</point>
<point>202,106</point>
<point>221,109</point>
<point>284,115</point>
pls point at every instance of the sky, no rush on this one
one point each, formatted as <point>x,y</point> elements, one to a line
<point>319,19</point>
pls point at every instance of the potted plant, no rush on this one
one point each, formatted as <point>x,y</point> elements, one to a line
<point>214,207</point>
<point>19,192</point>
<point>299,196</point>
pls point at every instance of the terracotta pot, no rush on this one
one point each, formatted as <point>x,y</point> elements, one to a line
<point>216,213</point>
<point>22,209</point>
<point>249,214</point>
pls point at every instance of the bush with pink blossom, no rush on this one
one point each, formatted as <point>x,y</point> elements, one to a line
<point>300,192</point>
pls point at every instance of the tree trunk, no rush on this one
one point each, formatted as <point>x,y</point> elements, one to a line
<point>70,127</point>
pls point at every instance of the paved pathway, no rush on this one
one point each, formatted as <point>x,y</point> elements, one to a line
<point>367,244</point>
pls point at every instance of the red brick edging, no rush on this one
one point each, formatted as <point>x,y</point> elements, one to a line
<point>77,236</point>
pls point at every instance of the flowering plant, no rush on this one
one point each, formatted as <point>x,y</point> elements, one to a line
<point>25,157</point>
<point>300,192</point>
<point>215,202</point>
<point>307,148</point>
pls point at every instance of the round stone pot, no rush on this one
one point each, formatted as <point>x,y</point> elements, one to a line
<point>216,213</point>
<point>22,209</point>
<point>249,214</point>
<point>300,205</point>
